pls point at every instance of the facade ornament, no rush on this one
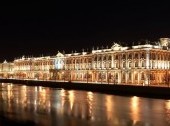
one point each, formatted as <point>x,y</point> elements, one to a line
<point>5,61</point>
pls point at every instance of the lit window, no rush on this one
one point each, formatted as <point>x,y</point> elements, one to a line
<point>142,55</point>
<point>116,75</point>
<point>136,76</point>
<point>136,56</point>
<point>142,76</point>
<point>130,56</point>
<point>109,58</point>
<point>130,64</point>
<point>136,64</point>
<point>104,58</point>
<point>129,76</point>
<point>124,56</point>
<point>123,76</point>
<point>117,65</point>
<point>143,65</point>
<point>124,64</point>
<point>116,57</point>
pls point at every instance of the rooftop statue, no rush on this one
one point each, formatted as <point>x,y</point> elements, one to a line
<point>59,54</point>
<point>116,46</point>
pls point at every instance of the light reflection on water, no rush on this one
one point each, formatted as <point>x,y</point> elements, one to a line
<point>134,106</point>
<point>58,107</point>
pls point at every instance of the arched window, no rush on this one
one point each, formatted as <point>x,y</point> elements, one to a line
<point>142,55</point>
<point>116,57</point>
<point>104,57</point>
<point>72,61</point>
<point>117,65</point>
<point>116,76</point>
<point>124,64</point>
<point>136,55</point>
<point>109,64</point>
<point>130,56</point>
<point>99,58</point>
<point>124,56</point>
<point>153,56</point>
<point>95,58</point>
<point>86,60</point>
<point>136,64</point>
<point>89,60</point>
<point>130,64</point>
<point>159,57</point>
<point>76,60</point>
<point>110,57</point>
<point>142,76</point>
<point>143,64</point>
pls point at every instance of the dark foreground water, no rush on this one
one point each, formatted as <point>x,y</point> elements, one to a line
<point>39,106</point>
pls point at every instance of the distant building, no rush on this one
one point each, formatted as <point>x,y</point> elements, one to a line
<point>142,64</point>
<point>6,69</point>
<point>33,68</point>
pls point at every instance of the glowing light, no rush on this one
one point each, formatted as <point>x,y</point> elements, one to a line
<point>135,108</point>
<point>167,105</point>
<point>71,98</point>
<point>109,107</point>
<point>90,100</point>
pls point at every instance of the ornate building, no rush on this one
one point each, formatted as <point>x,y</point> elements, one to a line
<point>33,68</point>
<point>140,64</point>
<point>146,64</point>
<point>6,69</point>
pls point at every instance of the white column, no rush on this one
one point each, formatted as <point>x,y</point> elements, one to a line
<point>147,59</point>
<point>112,62</point>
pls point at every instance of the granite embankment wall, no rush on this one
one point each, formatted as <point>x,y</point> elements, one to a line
<point>145,91</point>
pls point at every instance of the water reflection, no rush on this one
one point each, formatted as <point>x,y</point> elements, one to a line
<point>74,105</point>
<point>167,108</point>
<point>109,107</point>
<point>49,106</point>
<point>135,109</point>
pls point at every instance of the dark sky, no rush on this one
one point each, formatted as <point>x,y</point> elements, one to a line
<point>37,28</point>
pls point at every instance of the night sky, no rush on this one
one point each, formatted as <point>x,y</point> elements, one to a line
<point>37,28</point>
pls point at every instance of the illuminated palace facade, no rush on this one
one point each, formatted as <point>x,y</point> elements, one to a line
<point>139,64</point>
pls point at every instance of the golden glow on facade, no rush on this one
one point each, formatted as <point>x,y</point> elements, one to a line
<point>145,64</point>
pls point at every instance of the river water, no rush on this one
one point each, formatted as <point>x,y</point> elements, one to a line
<point>43,106</point>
